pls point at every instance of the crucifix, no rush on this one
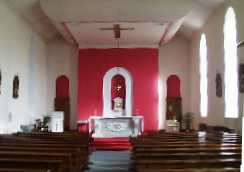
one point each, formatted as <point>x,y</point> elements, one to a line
<point>117,29</point>
<point>118,87</point>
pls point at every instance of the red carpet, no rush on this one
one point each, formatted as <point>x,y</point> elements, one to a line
<point>111,144</point>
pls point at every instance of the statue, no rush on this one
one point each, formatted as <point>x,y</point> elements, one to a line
<point>0,82</point>
<point>218,82</point>
<point>16,87</point>
<point>118,106</point>
<point>241,78</point>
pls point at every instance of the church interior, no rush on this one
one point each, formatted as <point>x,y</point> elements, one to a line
<point>121,86</point>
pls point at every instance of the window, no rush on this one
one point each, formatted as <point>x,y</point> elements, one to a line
<point>203,77</point>
<point>160,104</point>
<point>231,63</point>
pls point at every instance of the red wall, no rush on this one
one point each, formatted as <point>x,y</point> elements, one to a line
<point>142,63</point>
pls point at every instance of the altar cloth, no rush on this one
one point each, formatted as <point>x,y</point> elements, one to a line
<point>109,127</point>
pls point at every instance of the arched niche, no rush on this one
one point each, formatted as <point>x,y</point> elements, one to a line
<point>107,96</point>
<point>174,101</point>
<point>62,87</point>
<point>173,86</point>
<point>118,87</point>
<point>62,102</point>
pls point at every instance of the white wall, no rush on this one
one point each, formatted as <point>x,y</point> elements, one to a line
<point>62,60</point>
<point>215,42</point>
<point>23,53</point>
<point>174,59</point>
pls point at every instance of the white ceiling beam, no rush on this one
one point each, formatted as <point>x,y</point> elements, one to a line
<point>170,32</point>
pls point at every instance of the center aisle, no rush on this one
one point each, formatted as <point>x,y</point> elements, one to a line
<point>109,161</point>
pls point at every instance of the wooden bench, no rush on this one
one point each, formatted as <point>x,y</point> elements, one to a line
<point>181,152</point>
<point>57,152</point>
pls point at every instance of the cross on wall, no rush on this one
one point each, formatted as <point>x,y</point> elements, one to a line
<point>117,30</point>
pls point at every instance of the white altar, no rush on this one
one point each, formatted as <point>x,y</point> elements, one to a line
<point>109,127</point>
<point>117,119</point>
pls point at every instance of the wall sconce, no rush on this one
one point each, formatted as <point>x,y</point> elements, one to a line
<point>241,44</point>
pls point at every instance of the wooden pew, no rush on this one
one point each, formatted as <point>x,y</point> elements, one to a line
<point>182,156</point>
<point>189,163</point>
<point>30,165</point>
<point>36,160</point>
<point>192,170</point>
<point>69,140</point>
<point>67,152</point>
<point>74,155</point>
<point>180,152</point>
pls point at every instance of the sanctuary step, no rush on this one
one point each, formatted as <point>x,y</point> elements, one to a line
<point>111,144</point>
<point>109,161</point>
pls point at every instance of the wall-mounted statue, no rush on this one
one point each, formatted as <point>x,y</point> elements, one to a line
<point>218,81</point>
<point>16,87</point>
<point>0,82</point>
<point>241,78</point>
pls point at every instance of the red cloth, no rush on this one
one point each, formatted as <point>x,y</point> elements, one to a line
<point>111,144</point>
<point>173,86</point>
<point>142,63</point>
<point>62,87</point>
<point>83,128</point>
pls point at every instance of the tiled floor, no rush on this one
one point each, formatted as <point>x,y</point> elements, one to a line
<point>109,161</point>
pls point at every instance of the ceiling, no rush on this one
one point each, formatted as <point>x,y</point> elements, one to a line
<point>31,10</point>
<point>90,34</point>
<point>155,22</point>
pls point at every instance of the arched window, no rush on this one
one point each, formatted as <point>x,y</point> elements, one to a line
<point>203,77</point>
<point>231,63</point>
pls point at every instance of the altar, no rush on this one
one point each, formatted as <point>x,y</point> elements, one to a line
<point>109,127</point>
<point>117,119</point>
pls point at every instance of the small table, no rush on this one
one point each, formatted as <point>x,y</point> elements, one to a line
<point>172,126</point>
<point>83,126</point>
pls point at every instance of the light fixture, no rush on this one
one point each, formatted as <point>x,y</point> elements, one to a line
<point>241,44</point>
